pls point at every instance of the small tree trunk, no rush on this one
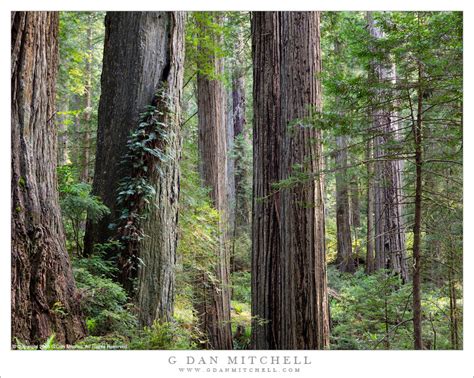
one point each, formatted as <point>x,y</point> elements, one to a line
<point>43,292</point>
<point>345,259</point>
<point>418,137</point>
<point>354,196</point>
<point>85,152</point>
<point>370,261</point>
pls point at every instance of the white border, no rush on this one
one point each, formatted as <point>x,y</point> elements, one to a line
<point>118,364</point>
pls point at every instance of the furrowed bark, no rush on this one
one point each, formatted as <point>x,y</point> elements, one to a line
<point>289,283</point>
<point>266,244</point>
<point>156,276</point>
<point>44,299</point>
<point>143,66</point>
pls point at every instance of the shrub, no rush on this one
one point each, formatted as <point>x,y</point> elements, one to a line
<point>167,335</point>
<point>104,301</point>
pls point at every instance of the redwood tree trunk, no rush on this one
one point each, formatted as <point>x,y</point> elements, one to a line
<point>345,259</point>
<point>370,258</point>
<point>43,292</point>
<point>242,204</point>
<point>142,56</point>
<point>213,305</point>
<point>390,250</point>
<point>289,281</point>
<point>156,276</point>
<point>86,132</point>
<point>266,244</point>
<point>133,66</point>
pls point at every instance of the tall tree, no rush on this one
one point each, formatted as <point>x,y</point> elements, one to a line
<point>142,72</point>
<point>85,156</point>
<point>43,292</point>
<point>266,243</point>
<point>242,204</point>
<point>213,304</point>
<point>390,252</point>
<point>345,259</point>
<point>289,289</point>
<point>370,241</point>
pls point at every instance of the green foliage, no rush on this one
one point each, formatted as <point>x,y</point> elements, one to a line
<point>49,344</point>
<point>241,323</point>
<point>104,302</point>
<point>204,31</point>
<point>81,36</point>
<point>241,287</point>
<point>147,154</point>
<point>77,204</point>
<point>168,335</point>
<point>198,225</point>
<point>374,312</point>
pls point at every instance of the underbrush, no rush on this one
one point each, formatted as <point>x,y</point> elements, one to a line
<point>374,312</point>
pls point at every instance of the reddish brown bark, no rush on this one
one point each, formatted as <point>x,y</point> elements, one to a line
<point>44,299</point>
<point>289,289</point>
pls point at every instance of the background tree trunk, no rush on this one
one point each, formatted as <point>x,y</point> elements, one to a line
<point>345,259</point>
<point>370,258</point>
<point>86,132</point>
<point>289,275</point>
<point>213,306</point>
<point>242,204</point>
<point>390,250</point>
<point>43,293</point>
<point>354,197</point>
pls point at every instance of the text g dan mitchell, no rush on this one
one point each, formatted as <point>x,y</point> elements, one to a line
<point>240,360</point>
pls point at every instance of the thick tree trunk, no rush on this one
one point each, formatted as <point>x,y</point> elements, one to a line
<point>289,268</point>
<point>345,259</point>
<point>156,276</point>
<point>44,299</point>
<point>142,56</point>
<point>305,306</point>
<point>390,250</point>
<point>133,66</point>
<point>266,244</point>
<point>213,304</point>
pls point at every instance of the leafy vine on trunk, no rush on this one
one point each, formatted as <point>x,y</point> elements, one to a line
<point>146,152</point>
